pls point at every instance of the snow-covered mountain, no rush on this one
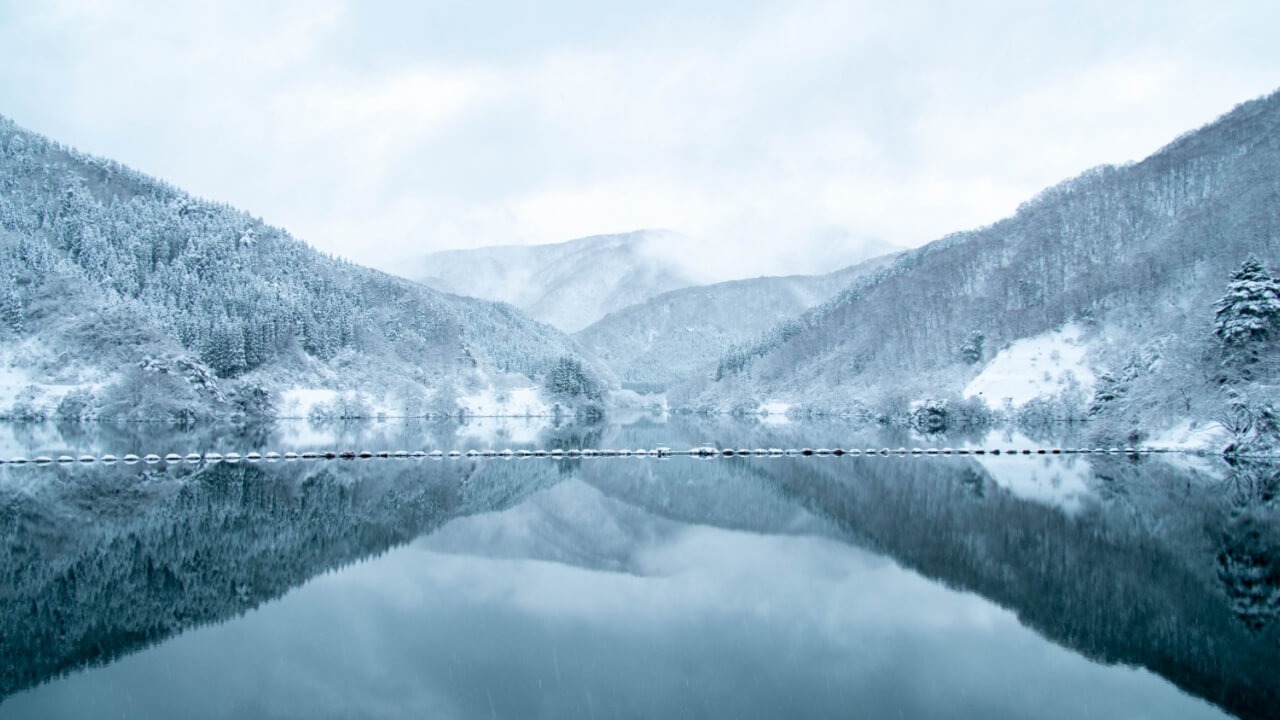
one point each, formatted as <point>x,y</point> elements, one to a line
<point>667,338</point>
<point>121,296</point>
<point>1114,274</point>
<point>568,285</point>
<point>573,284</point>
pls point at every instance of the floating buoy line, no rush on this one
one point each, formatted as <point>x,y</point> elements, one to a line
<point>704,452</point>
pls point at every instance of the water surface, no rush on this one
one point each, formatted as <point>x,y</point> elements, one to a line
<point>744,587</point>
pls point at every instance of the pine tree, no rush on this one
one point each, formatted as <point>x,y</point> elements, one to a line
<point>225,351</point>
<point>971,350</point>
<point>568,378</point>
<point>1250,311</point>
<point>11,307</point>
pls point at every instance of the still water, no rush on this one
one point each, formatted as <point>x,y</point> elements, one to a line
<point>747,587</point>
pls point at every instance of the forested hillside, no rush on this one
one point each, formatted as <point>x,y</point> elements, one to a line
<point>120,295</point>
<point>1135,256</point>
<point>668,338</point>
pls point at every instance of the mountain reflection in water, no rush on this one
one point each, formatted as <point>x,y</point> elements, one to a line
<point>642,588</point>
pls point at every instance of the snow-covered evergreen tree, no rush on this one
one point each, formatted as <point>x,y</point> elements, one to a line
<point>1250,311</point>
<point>971,350</point>
<point>10,304</point>
<point>570,379</point>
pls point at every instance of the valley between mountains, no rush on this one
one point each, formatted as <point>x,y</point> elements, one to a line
<point>1141,299</point>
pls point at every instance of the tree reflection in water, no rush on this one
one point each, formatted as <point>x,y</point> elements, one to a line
<point>1156,565</point>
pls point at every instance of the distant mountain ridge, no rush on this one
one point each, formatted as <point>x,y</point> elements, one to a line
<point>122,296</point>
<point>666,339</point>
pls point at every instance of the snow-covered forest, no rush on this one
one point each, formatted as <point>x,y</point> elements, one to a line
<point>122,296</point>
<point>1141,297</point>
<point>675,335</point>
<point>1132,263</point>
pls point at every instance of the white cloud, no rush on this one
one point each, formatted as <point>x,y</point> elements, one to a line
<point>381,130</point>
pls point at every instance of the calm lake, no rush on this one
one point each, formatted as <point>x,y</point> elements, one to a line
<point>916,587</point>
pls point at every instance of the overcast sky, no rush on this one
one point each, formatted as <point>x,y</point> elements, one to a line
<point>377,130</point>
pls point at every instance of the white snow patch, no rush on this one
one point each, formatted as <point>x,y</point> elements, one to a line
<point>300,402</point>
<point>12,382</point>
<point>19,384</point>
<point>1192,435</point>
<point>515,402</point>
<point>383,408</point>
<point>649,404</point>
<point>1046,365</point>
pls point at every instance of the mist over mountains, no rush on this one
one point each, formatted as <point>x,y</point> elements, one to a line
<point>574,284</point>
<point>568,285</point>
<point>644,303</point>
<point>124,297</point>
